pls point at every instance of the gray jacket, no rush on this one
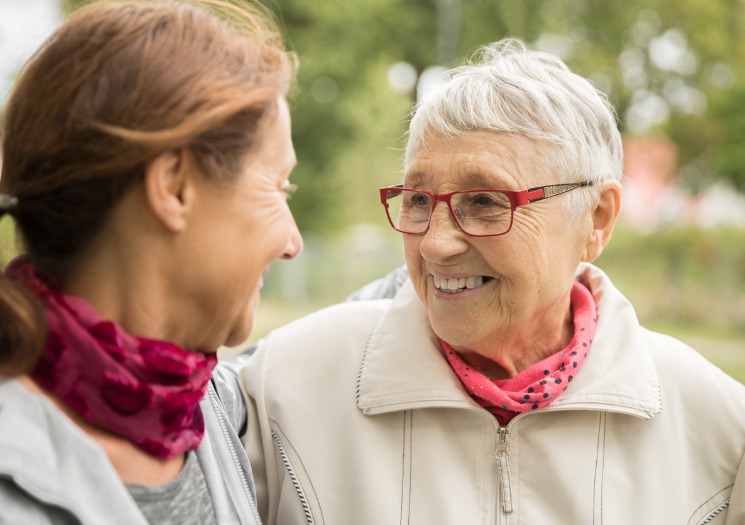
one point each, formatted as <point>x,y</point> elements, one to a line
<point>51,472</point>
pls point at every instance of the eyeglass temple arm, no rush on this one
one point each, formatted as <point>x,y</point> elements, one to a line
<point>387,193</point>
<point>544,192</point>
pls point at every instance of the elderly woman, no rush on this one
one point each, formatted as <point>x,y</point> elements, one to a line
<point>146,159</point>
<point>507,381</point>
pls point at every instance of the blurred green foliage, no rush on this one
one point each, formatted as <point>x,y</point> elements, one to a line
<point>675,63</point>
<point>8,247</point>
<point>689,278</point>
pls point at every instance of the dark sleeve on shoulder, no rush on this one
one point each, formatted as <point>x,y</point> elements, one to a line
<point>383,288</point>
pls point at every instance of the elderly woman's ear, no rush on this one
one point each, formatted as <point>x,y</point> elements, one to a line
<point>168,188</point>
<point>604,217</point>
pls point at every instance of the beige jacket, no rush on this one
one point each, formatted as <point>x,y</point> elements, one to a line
<point>355,417</point>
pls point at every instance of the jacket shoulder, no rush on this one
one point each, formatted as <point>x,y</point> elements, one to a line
<point>329,326</point>
<point>689,367</point>
<point>25,430</point>
<point>49,461</point>
<point>332,337</point>
<point>16,506</point>
<point>696,389</point>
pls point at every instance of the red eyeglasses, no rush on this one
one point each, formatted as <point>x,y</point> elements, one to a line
<point>481,213</point>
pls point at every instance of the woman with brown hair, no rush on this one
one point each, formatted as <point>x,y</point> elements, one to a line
<point>147,152</point>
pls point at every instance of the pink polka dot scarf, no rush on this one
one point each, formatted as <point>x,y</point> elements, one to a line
<point>144,390</point>
<point>540,384</point>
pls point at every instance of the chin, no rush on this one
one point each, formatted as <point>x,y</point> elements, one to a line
<point>453,333</point>
<point>241,330</point>
<point>240,335</point>
<point>243,323</point>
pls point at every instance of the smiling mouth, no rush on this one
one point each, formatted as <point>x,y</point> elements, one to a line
<point>458,285</point>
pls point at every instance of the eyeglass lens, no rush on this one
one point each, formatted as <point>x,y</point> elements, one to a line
<point>477,213</point>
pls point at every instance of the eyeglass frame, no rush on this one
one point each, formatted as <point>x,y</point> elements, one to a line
<point>517,198</point>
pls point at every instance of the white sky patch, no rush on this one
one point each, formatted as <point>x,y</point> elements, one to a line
<point>669,52</point>
<point>24,25</point>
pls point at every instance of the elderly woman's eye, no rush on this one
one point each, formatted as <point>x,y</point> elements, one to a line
<point>490,199</point>
<point>415,199</point>
<point>489,205</point>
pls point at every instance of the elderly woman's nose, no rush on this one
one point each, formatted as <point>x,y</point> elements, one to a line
<point>442,218</point>
<point>443,238</point>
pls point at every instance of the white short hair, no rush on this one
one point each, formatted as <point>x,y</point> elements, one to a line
<point>505,88</point>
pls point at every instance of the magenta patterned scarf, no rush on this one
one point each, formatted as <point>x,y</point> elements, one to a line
<point>541,383</point>
<point>144,390</point>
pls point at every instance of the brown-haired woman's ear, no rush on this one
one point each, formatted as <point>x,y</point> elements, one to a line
<point>168,187</point>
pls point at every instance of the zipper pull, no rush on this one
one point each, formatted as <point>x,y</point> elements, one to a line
<point>503,464</point>
<point>503,435</point>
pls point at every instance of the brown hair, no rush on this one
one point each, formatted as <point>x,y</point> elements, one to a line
<point>116,85</point>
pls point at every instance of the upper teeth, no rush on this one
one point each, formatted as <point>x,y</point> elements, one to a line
<point>458,284</point>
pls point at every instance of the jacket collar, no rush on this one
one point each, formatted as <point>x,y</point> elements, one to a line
<point>46,455</point>
<point>403,367</point>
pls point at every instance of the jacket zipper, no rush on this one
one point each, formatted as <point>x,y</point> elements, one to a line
<point>713,514</point>
<point>293,478</point>
<point>234,456</point>
<point>503,466</point>
<point>502,455</point>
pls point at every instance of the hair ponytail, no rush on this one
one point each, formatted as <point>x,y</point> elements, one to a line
<point>22,328</point>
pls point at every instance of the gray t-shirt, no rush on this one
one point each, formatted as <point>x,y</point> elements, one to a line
<point>183,501</point>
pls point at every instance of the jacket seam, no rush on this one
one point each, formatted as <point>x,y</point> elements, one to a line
<point>713,514</point>
<point>403,470</point>
<point>293,477</point>
<point>658,381</point>
<point>411,464</point>
<point>590,398</point>
<point>599,468</point>
<point>363,364</point>
<point>602,471</point>
<point>214,405</point>
<point>716,511</point>
<point>406,451</point>
<point>285,439</point>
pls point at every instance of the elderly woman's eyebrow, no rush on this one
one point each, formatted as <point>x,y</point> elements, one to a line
<point>473,178</point>
<point>479,179</point>
<point>413,179</point>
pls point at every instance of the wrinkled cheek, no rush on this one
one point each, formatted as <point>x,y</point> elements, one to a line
<point>414,266</point>
<point>508,301</point>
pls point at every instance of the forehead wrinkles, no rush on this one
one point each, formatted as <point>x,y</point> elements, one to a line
<point>476,159</point>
